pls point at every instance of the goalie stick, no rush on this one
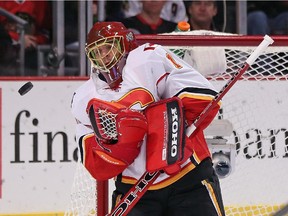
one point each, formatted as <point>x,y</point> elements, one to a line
<point>282,212</point>
<point>141,186</point>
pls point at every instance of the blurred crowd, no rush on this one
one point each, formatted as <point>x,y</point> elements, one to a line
<point>143,17</point>
<point>37,30</point>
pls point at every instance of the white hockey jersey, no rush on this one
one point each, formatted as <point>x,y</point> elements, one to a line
<point>151,73</point>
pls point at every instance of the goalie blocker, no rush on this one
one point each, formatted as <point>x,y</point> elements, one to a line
<point>166,135</point>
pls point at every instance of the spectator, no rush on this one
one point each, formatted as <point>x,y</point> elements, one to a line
<point>174,11</point>
<point>114,11</point>
<point>8,54</point>
<point>201,14</point>
<point>95,11</point>
<point>37,14</point>
<point>148,21</point>
<point>263,19</point>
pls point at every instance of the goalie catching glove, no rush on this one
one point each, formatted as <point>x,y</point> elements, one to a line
<point>118,135</point>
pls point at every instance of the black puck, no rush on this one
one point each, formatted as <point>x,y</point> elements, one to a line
<point>25,88</point>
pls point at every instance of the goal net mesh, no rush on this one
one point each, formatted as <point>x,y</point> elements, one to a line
<point>256,106</point>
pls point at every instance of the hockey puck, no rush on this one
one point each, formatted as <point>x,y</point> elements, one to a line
<point>25,88</point>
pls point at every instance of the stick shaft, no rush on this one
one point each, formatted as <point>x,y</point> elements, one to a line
<point>282,212</point>
<point>134,194</point>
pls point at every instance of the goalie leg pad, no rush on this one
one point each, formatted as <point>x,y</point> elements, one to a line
<point>165,138</point>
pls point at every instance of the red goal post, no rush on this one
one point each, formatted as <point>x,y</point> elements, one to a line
<point>257,109</point>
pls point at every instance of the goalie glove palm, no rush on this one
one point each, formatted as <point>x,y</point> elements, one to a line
<point>131,127</point>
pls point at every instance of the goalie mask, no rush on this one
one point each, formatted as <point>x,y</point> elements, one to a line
<point>107,47</point>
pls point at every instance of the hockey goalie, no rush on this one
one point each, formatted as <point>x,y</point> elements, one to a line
<point>131,118</point>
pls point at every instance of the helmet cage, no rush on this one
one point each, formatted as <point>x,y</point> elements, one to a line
<point>106,52</point>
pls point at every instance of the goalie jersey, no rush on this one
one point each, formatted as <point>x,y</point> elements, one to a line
<point>151,74</point>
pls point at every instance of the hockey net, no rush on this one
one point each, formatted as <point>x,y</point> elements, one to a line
<point>256,107</point>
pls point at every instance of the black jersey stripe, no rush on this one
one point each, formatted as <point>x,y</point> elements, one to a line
<point>81,140</point>
<point>194,90</point>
